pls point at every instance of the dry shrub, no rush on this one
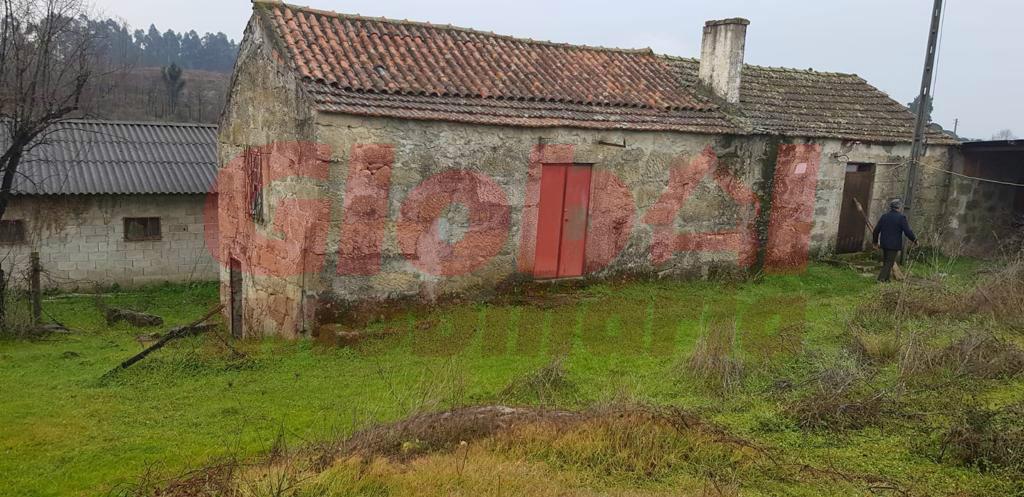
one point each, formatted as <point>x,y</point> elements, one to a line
<point>715,358</point>
<point>983,355</point>
<point>875,349</point>
<point>986,439</point>
<point>544,386</point>
<point>215,480</point>
<point>917,358</point>
<point>842,398</point>
<point>977,354</point>
<point>640,445</point>
<point>999,293</point>
<point>1002,293</point>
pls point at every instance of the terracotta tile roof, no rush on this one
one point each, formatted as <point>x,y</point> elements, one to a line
<point>375,66</point>
<point>794,102</point>
<point>382,67</point>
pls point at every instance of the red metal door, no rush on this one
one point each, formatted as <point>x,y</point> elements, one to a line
<point>562,221</point>
<point>549,220</point>
<point>574,218</point>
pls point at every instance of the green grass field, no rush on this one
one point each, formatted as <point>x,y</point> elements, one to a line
<point>65,430</point>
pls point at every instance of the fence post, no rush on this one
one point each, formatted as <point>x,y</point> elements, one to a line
<point>36,296</point>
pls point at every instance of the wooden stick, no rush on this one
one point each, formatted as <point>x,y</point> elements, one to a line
<point>176,333</point>
<point>896,271</point>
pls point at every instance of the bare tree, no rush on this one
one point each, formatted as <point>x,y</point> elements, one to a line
<point>47,58</point>
<point>173,83</point>
<point>1004,134</point>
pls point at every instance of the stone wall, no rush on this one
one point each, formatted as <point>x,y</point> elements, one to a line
<point>81,243</point>
<point>984,214</point>
<point>651,215</point>
<point>929,217</point>
<point>640,164</point>
<point>265,106</point>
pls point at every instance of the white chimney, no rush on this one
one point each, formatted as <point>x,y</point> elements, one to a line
<point>721,57</point>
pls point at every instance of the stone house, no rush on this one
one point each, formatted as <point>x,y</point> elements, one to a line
<point>110,202</point>
<point>366,159</point>
<point>988,211</point>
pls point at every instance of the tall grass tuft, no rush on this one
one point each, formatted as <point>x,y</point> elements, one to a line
<point>548,385</point>
<point>715,358</point>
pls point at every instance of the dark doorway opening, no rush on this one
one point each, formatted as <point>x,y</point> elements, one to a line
<point>235,284</point>
<point>856,188</point>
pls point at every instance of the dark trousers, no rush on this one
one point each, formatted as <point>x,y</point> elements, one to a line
<point>888,260</point>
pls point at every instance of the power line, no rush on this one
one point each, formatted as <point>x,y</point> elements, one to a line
<point>975,178</point>
<point>938,49</point>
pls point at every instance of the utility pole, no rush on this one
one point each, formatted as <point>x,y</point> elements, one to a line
<point>923,99</point>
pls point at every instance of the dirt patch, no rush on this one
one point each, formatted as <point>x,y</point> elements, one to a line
<point>442,431</point>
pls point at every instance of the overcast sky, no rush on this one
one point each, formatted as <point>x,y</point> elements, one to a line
<point>980,80</point>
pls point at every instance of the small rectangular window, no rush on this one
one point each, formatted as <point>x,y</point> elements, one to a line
<point>137,229</point>
<point>254,170</point>
<point>12,232</point>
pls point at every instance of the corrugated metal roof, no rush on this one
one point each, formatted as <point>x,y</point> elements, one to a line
<point>85,157</point>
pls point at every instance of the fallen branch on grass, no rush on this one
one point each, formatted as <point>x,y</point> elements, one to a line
<point>139,319</point>
<point>175,333</point>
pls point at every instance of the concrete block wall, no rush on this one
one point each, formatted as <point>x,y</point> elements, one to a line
<point>81,245</point>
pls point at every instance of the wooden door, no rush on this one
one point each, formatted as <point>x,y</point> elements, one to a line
<point>562,220</point>
<point>859,180</point>
<point>235,287</point>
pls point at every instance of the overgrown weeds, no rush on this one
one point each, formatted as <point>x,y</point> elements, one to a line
<point>495,450</point>
<point>16,321</point>
<point>999,293</point>
<point>976,354</point>
<point>987,439</point>
<point>842,396</point>
<point>546,386</point>
<point>983,355</point>
<point>641,446</point>
<point>876,349</point>
<point>715,358</point>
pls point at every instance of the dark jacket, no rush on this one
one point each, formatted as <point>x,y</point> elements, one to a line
<point>890,230</point>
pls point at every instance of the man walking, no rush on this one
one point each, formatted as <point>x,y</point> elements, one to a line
<point>889,235</point>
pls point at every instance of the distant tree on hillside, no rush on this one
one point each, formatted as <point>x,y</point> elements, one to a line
<point>151,48</point>
<point>173,84</point>
<point>913,106</point>
<point>1004,134</point>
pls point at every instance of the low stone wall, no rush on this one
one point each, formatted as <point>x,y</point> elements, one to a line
<point>81,243</point>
